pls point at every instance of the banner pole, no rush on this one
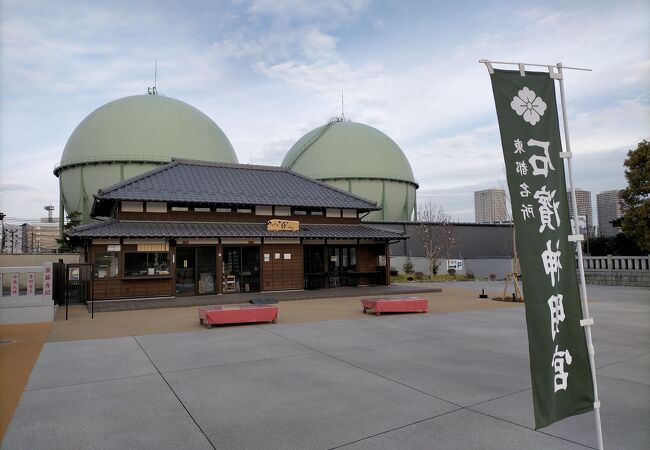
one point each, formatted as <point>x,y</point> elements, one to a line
<point>587,320</point>
<point>489,63</point>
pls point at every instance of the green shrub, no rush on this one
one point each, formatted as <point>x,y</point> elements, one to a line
<point>408,266</point>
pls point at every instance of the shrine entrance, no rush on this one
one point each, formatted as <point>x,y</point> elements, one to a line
<point>196,270</point>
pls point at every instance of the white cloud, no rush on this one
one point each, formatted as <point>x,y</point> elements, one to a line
<point>622,124</point>
<point>287,10</point>
<point>318,45</point>
<point>269,71</point>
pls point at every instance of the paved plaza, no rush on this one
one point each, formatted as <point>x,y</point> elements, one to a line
<point>456,380</point>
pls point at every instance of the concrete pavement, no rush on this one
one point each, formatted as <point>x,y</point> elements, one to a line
<point>445,380</point>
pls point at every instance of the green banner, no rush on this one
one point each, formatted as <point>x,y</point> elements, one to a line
<point>530,136</point>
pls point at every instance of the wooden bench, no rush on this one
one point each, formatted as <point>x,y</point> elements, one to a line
<point>402,304</point>
<point>225,314</point>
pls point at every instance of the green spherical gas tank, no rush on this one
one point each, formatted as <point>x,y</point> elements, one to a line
<point>130,136</point>
<point>361,160</point>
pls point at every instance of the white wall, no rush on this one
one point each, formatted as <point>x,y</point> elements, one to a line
<point>33,260</point>
<point>481,268</point>
<point>37,259</point>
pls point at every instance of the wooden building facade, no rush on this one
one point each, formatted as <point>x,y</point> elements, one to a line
<point>197,228</point>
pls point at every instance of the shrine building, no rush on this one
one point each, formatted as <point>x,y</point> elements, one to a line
<point>192,227</point>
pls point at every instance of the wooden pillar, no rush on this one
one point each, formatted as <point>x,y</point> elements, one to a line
<point>261,250</point>
<point>387,268</point>
<point>172,266</point>
<point>219,269</point>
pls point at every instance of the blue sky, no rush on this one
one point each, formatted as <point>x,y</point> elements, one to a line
<point>268,71</point>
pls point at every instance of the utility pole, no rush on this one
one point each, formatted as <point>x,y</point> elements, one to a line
<point>12,232</point>
<point>2,240</point>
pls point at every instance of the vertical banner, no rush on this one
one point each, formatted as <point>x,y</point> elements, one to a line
<point>530,137</point>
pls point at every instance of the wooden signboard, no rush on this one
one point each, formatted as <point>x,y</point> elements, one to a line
<point>282,225</point>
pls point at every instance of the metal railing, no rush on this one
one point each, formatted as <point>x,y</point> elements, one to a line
<point>617,263</point>
<point>109,159</point>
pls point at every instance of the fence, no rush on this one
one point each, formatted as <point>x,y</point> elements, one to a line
<point>617,270</point>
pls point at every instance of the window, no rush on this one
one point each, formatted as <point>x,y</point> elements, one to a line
<point>156,207</point>
<point>146,263</point>
<point>132,206</point>
<point>262,210</point>
<point>106,264</point>
<point>343,259</point>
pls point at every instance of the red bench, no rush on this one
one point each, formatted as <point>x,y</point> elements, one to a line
<point>403,304</point>
<point>224,314</point>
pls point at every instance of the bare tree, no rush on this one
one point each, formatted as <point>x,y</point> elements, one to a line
<point>436,230</point>
<point>510,218</point>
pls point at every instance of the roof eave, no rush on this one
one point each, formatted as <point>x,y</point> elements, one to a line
<point>100,197</point>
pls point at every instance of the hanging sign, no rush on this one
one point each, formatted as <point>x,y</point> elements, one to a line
<point>530,137</point>
<point>282,225</point>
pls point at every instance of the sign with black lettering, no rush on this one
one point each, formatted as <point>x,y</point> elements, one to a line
<point>282,225</point>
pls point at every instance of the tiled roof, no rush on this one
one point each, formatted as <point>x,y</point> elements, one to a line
<point>180,230</point>
<point>186,181</point>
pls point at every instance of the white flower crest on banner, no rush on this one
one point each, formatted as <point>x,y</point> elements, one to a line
<point>528,104</point>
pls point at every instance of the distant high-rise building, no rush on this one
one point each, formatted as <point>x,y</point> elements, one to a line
<point>609,208</point>
<point>490,206</point>
<point>39,237</point>
<point>583,200</point>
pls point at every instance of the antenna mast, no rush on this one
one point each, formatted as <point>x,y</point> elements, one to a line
<point>154,90</point>
<point>342,107</point>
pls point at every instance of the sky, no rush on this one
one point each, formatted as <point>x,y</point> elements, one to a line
<point>268,71</point>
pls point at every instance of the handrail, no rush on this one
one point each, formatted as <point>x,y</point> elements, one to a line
<point>109,158</point>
